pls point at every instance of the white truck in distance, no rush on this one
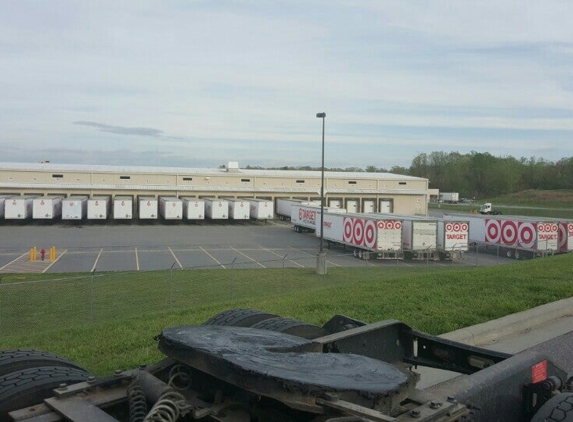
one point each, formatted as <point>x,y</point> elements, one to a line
<point>487,209</point>
<point>284,206</point>
<point>74,208</point>
<point>98,207</point>
<point>450,197</point>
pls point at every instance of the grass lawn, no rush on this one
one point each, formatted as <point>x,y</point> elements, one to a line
<point>433,301</point>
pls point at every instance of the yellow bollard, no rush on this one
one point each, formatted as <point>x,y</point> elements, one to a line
<point>52,253</point>
<point>33,254</point>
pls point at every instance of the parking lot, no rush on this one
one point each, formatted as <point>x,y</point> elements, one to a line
<point>121,247</point>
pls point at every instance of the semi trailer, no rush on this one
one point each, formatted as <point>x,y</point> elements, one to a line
<point>514,236</point>
<point>261,209</point>
<point>98,207</point>
<point>147,207</point>
<point>239,209</point>
<point>74,208</point>
<point>171,208</point>
<point>216,209</point>
<point>453,239</point>
<point>419,235</point>
<point>450,197</point>
<point>368,235</point>
<point>47,208</point>
<point>284,206</point>
<point>246,365</point>
<point>122,208</point>
<point>306,218</point>
<point>193,208</point>
<point>18,207</point>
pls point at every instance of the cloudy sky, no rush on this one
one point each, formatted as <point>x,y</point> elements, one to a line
<point>200,83</point>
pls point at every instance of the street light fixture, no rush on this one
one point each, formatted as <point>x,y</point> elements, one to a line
<point>321,260</point>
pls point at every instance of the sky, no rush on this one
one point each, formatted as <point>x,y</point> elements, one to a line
<point>192,83</point>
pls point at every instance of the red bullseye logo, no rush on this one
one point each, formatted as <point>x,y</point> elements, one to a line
<point>380,224</point>
<point>465,227</point>
<point>358,231</point>
<point>370,234</point>
<point>492,231</point>
<point>570,228</point>
<point>398,225</point>
<point>527,235</point>
<point>348,223</point>
<point>449,227</point>
<point>509,232</point>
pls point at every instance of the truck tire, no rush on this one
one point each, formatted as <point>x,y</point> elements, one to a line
<point>292,327</point>
<point>28,387</point>
<point>239,318</point>
<point>20,359</point>
<point>556,409</point>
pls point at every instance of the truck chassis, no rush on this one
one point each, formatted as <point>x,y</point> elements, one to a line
<point>249,365</point>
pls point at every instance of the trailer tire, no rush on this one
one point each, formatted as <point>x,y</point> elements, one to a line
<point>292,327</point>
<point>20,359</point>
<point>29,387</point>
<point>556,409</point>
<point>239,318</point>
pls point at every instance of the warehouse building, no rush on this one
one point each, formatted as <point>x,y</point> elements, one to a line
<point>356,191</point>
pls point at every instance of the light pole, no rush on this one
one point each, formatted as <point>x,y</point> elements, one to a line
<point>321,259</point>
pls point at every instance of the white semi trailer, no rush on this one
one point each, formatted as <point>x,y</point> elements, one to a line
<point>47,208</point>
<point>453,239</point>
<point>419,236</point>
<point>239,209</point>
<point>284,206</point>
<point>193,208</point>
<point>18,207</point>
<point>98,207</point>
<point>147,207</point>
<point>369,235</point>
<point>306,218</point>
<point>123,208</point>
<point>514,236</point>
<point>216,209</point>
<point>171,208</point>
<point>74,208</point>
<point>2,204</point>
<point>261,209</point>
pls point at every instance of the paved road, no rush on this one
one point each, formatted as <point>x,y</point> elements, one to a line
<point>545,336</point>
<point>136,247</point>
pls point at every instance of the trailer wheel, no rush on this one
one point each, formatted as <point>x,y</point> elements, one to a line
<point>292,327</point>
<point>517,255</point>
<point>239,318</point>
<point>556,409</point>
<point>20,359</point>
<point>28,387</point>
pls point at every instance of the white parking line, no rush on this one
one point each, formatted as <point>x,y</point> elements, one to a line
<point>308,253</point>
<point>248,257</point>
<point>96,261</point>
<point>14,260</point>
<point>212,257</point>
<point>54,261</point>
<point>136,260</point>
<point>176,260</point>
<point>280,256</point>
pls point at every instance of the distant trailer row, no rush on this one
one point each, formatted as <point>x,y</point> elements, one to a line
<point>127,208</point>
<point>384,235</point>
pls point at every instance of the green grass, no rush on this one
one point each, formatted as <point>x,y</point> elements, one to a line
<point>531,203</point>
<point>433,301</point>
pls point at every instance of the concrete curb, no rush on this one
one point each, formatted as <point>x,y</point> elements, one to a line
<point>491,331</point>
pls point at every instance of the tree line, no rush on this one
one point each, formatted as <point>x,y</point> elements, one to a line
<point>476,174</point>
